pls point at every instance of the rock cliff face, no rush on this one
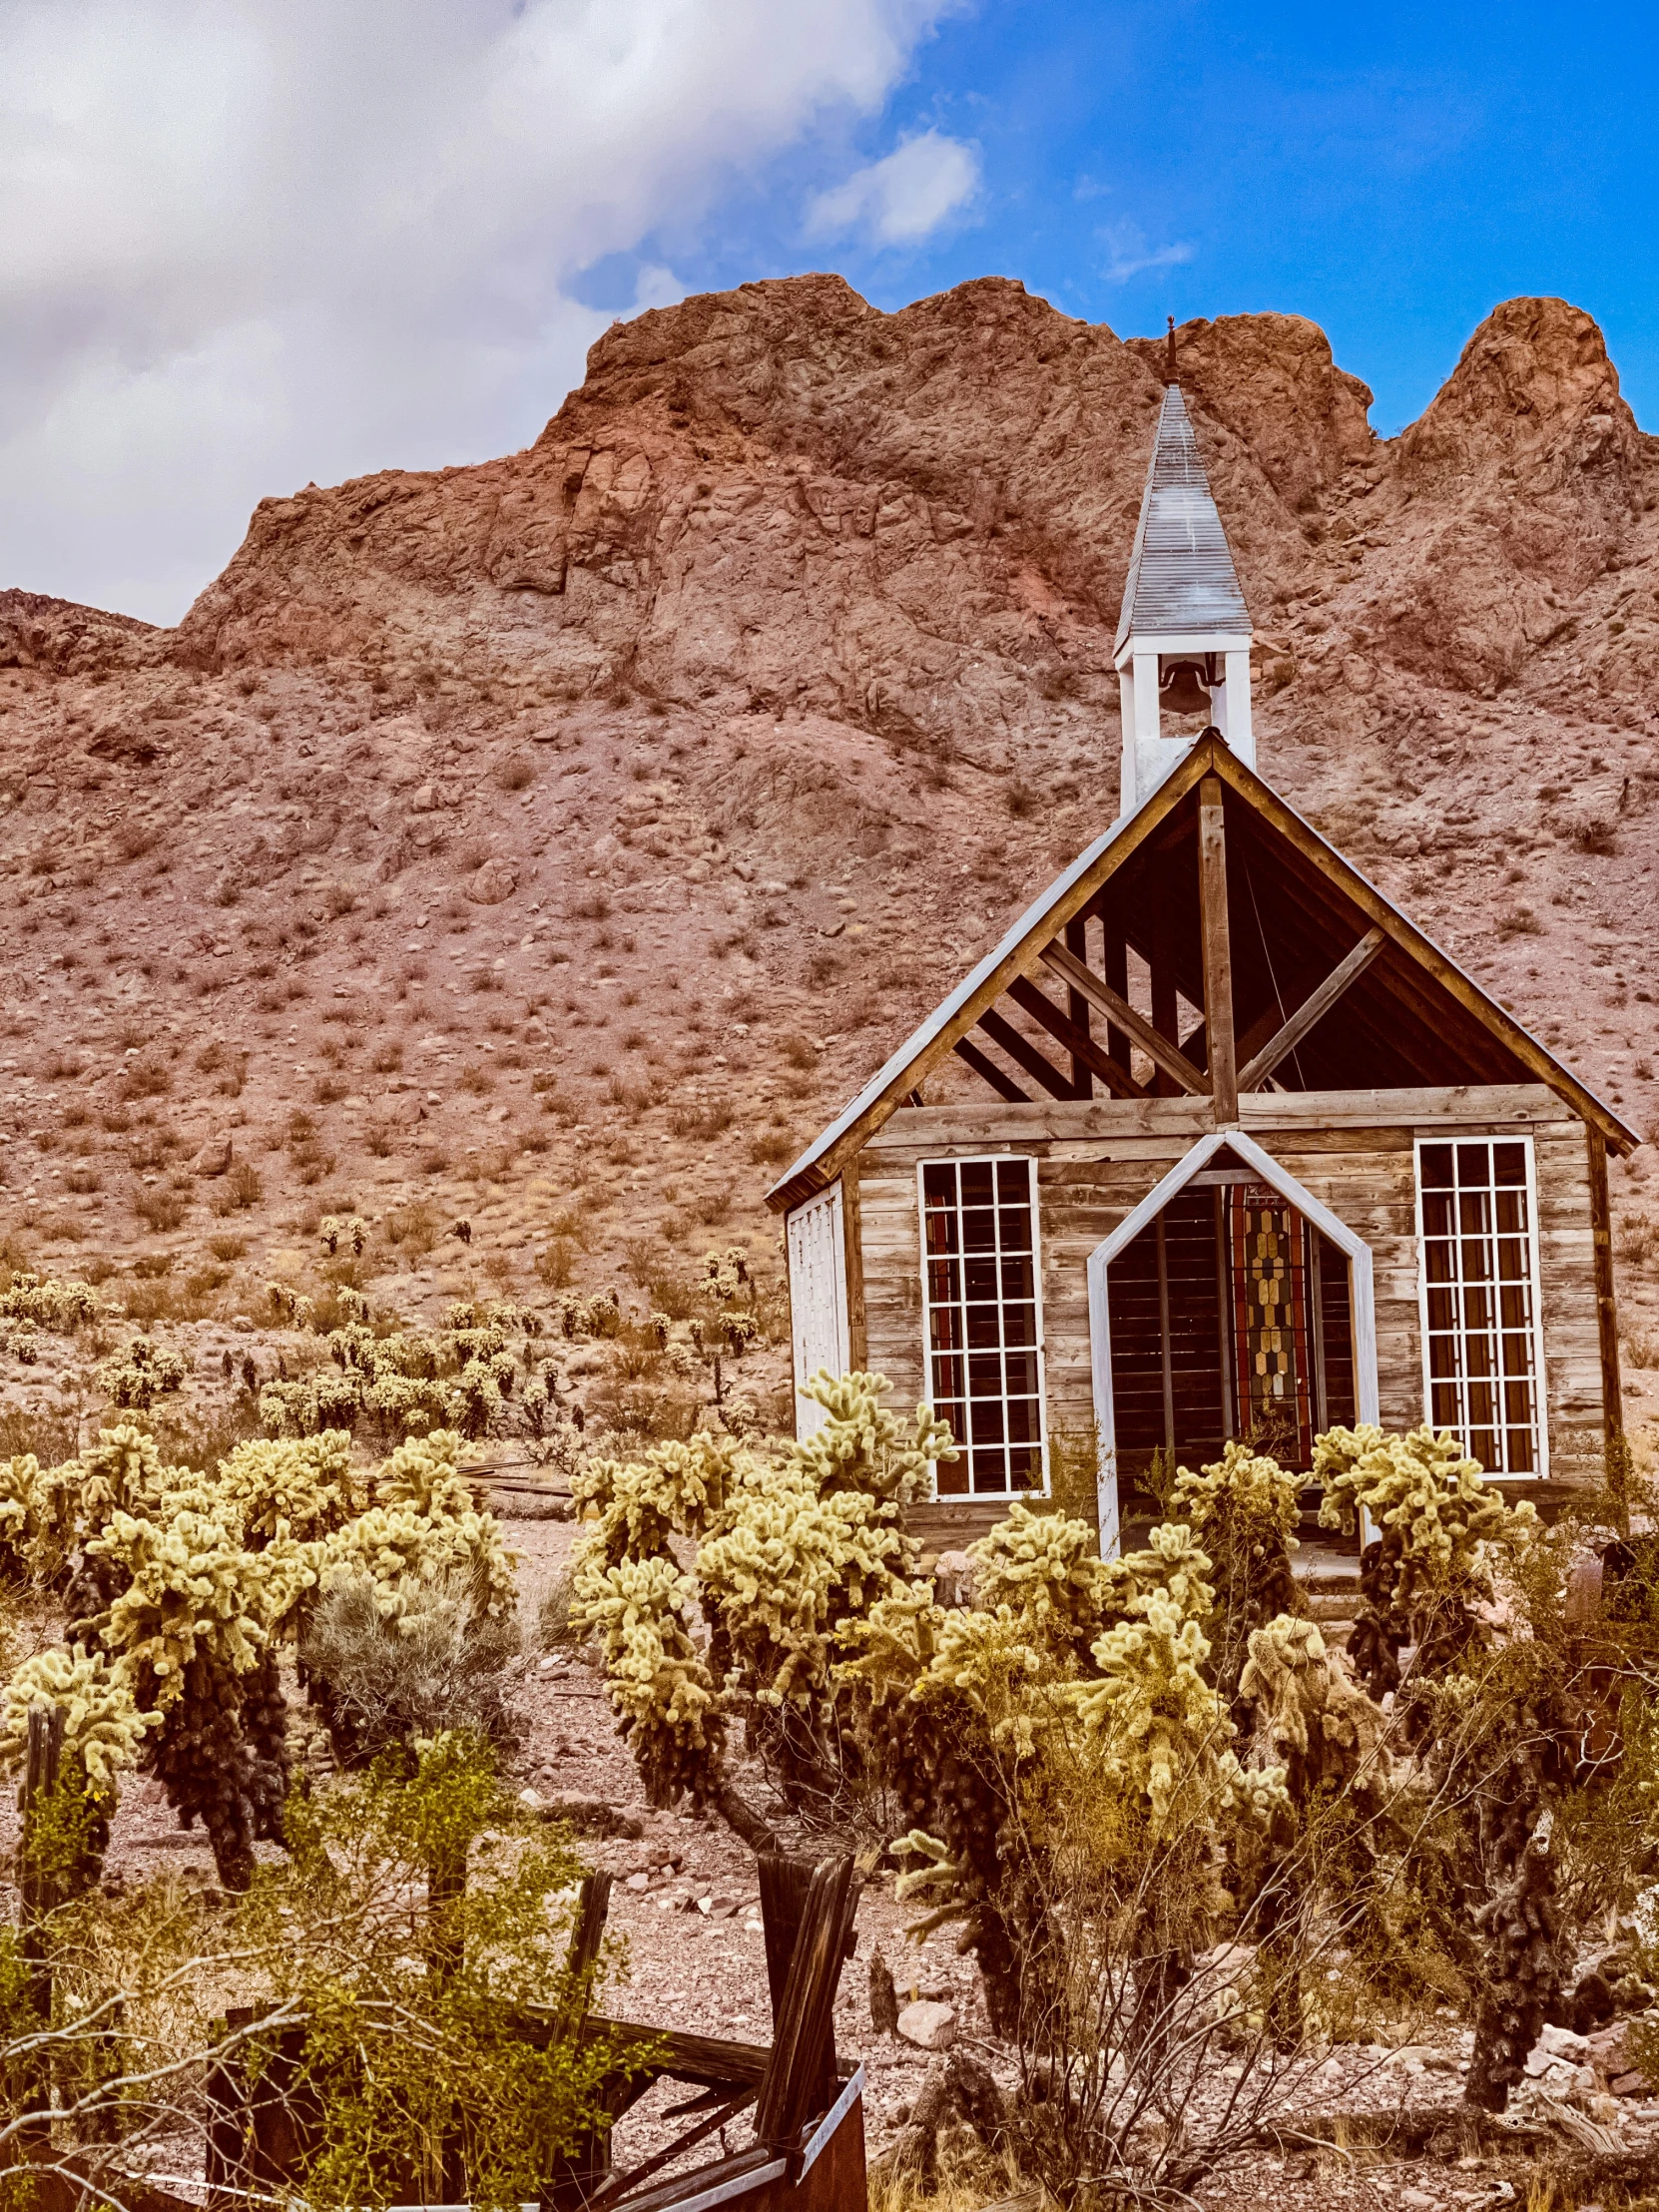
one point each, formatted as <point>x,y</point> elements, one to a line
<point>687,757</point>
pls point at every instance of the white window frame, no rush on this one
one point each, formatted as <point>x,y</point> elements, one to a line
<point>1361,1296</point>
<point>1540,1387</point>
<point>996,1159</point>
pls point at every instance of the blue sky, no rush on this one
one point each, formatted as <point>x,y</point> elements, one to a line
<point>255,244</point>
<point>1392,173</point>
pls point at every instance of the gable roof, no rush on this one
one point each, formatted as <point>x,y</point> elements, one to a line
<point>1417,963</point>
<point>1181,573</point>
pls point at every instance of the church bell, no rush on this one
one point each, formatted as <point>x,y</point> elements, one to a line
<point>1183,689</point>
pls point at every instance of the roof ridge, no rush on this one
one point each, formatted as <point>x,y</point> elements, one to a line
<point>1181,573</point>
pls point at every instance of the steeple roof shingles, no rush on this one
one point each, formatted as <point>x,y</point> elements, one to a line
<point>1181,573</point>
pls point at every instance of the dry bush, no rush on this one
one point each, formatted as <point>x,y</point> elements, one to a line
<point>159,1210</point>
<point>556,1265</point>
<point>414,1229</point>
<point>238,1189</point>
<point>439,1664</point>
<point>145,1077</point>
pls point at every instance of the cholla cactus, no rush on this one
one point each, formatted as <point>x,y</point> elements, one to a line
<point>104,1731</point>
<point>1310,1717</point>
<point>1046,1570</point>
<point>302,1484</point>
<point>66,1835</point>
<point>795,1541</point>
<point>42,1301</point>
<point>426,1472</point>
<point>1441,1533</point>
<point>666,1700</point>
<point>337,1232</point>
<point>400,1549</point>
<point>147,1371</point>
<point>599,1316</point>
<point>1243,1509</point>
<point>864,1447</point>
<point>290,1307</point>
<point>193,1589</point>
<point>1162,1735</point>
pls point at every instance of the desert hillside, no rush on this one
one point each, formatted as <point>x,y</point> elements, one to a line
<point>551,845</point>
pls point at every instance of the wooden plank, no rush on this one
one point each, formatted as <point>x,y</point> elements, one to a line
<point>1166,1012</point>
<point>1607,1312</point>
<point>1114,959</point>
<point>1077,1042</point>
<point>1312,1010</point>
<point>853,1234</point>
<point>987,1071</point>
<point>1159,1048</point>
<point>790,2093</point>
<point>1024,1055</point>
<point>1077,1006</point>
<point>1218,957</point>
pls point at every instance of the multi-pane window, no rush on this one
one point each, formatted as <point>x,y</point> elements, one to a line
<point>984,1323</point>
<point>1480,1300</point>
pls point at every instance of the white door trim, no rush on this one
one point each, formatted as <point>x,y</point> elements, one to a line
<point>1361,1294</point>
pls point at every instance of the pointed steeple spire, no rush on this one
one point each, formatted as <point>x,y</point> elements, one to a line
<point>1184,634</point>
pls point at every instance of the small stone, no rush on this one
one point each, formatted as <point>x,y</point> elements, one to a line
<point>929,2024</point>
<point>1628,2085</point>
<point>1418,2200</point>
<point>214,1157</point>
<point>724,1909</point>
<point>639,1882</point>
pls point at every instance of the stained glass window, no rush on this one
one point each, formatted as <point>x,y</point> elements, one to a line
<point>984,1323</point>
<point>1479,1299</point>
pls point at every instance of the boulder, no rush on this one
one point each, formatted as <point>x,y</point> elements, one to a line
<point>494,882</point>
<point>929,2024</point>
<point>214,1157</point>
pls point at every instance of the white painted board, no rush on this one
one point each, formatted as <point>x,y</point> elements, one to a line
<point>817,1297</point>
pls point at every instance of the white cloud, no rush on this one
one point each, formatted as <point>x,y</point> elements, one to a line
<point>903,198</point>
<point>254,243</point>
<point>1129,253</point>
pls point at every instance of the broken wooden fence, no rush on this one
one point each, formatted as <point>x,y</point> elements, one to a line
<point>808,2152</point>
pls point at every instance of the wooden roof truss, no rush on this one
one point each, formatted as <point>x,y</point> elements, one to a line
<point>1236,909</point>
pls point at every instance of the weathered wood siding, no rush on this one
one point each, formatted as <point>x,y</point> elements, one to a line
<point>819,1315</point>
<point>1354,1151</point>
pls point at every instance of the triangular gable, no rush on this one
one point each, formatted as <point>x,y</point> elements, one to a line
<point>1021,950</point>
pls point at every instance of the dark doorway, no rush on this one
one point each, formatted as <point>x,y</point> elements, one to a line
<point>1229,1317</point>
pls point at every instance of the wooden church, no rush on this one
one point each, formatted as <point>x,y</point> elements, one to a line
<point>1247,1154</point>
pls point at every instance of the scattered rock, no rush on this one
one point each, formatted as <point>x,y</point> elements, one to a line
<point>595,1816</point>
<point>927,2025</point>
<point>214,1157</point>
<point>494,882</point>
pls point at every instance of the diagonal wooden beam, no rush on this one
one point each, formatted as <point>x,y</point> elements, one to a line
<point>1158,1048</point>
<point>987,1068</point>
<point>1025,1055</point>
<point>1218,955</point>
<point>1077,1042</point>
<point>1313,1008</point>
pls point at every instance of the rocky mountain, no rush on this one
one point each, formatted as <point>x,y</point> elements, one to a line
<point>555,842</point>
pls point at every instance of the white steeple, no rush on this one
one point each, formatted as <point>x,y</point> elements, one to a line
<point>1184,636</point>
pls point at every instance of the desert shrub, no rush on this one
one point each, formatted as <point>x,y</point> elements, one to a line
<point>238,1190</point>
<point>159,1210</point>
<point>399,1679</point>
